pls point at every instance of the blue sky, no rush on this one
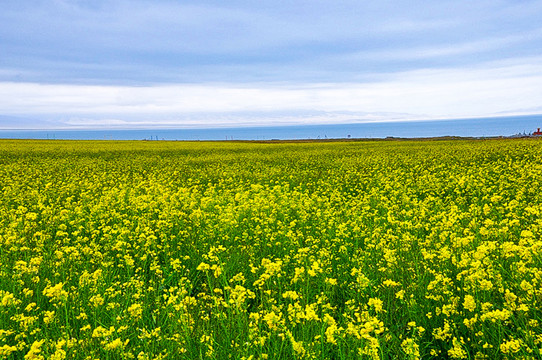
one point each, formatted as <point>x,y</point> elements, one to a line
<point>139,63</point>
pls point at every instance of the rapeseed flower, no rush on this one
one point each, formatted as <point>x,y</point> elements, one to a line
<point>35,351</point>
<point>307,250</point>
<point>56,292</point>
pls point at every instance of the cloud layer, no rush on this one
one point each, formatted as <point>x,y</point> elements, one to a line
<point>132,61</point>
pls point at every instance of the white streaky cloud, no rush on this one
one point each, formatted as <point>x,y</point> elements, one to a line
<point>477,91</point>
<point>249,119</point>
<point>442,50</point>
<point>448,52</point>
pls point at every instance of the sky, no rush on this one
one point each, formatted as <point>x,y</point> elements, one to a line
<point>166,63</point>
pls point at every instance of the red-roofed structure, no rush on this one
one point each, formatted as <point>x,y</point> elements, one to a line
<point>538,132</point>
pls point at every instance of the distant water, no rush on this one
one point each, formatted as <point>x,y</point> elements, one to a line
<point>479,127</point>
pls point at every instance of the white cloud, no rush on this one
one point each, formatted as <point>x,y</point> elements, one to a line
<point>477,91</point>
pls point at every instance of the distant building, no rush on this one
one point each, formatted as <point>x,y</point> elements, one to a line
<point>538,132</point>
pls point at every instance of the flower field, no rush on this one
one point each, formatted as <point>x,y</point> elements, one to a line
<point>224,250</point>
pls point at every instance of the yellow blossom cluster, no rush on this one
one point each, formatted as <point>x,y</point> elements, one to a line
<point>306,250</point>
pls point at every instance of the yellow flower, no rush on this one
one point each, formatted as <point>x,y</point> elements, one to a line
<point>298,272</point>
<point>217,270</point>
<point>240,277</point>
<point>6,350</point>
<point>457,351</point>
<point>135,311</point>
<point>443,333</point>
<point>35,350</point>
<point>469,303</point>
<point>315,269</point>
<point>411,348</point>
<point>376,304</point>
<point>8,299</point>
<point>310,313</point>
<point>48,316</point>
<point>293,295</point>
<point>526,286</point>
<point>101,332</point>
<point>390,283</point>
<point>115,344</point>
<point>59,353</point>
<point>56,292</point>
<point>511,347</point>
<point>470,322</point>
<point>297,346</point>
<point>486,284</point>
<point>96,300</point>
<point>332,329</point>
<point>239,294</point>
<point>494,315</point>
<point>272,319</point>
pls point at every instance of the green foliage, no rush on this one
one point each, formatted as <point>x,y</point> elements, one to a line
<point>222,250</point>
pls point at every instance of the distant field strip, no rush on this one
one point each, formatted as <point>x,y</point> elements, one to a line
<point>224,250</point>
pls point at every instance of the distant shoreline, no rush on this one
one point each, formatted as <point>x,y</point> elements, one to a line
<point>392,138</point>
<point>279,141</point>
